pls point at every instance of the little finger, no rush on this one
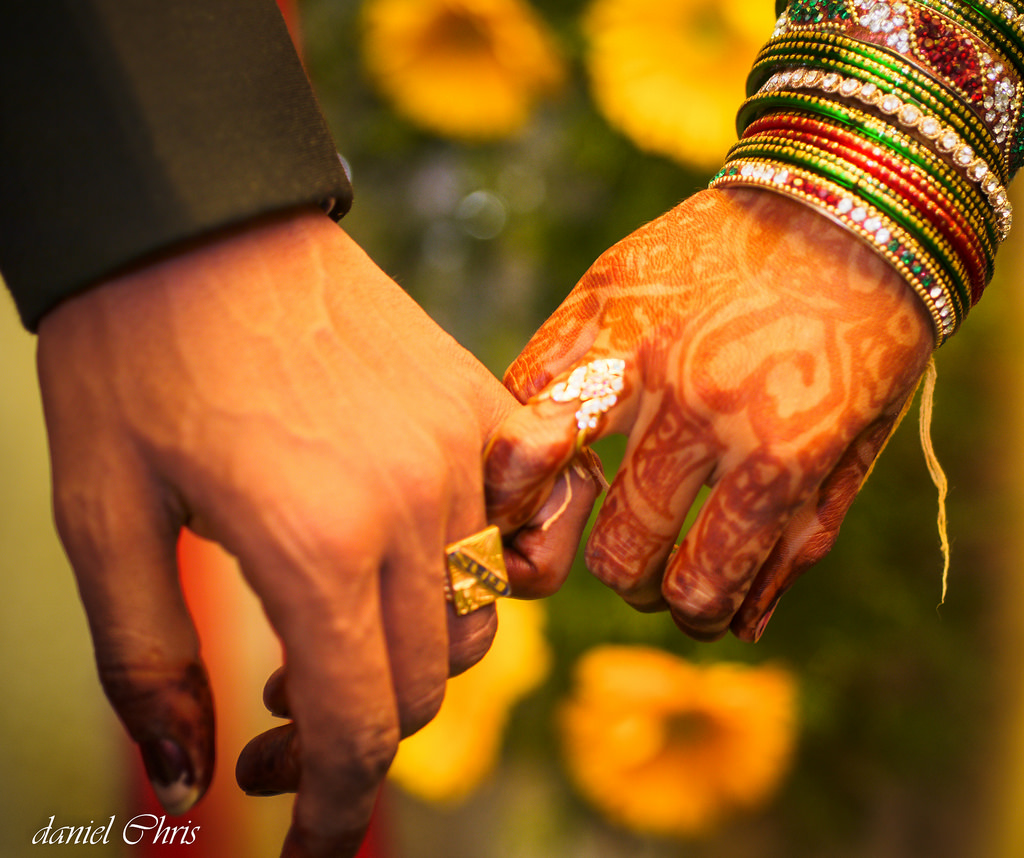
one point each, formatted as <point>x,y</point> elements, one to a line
<point>813,530</point>
<point>122,547</point>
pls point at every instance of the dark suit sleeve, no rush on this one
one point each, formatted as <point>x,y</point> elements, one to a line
<point>127,126</point>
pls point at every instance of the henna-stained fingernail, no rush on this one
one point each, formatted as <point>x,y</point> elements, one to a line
<point>763,623</point>
<point>171,773</point>
<point>588,464</point>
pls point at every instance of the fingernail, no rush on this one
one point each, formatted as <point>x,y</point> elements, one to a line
<point>171,774</point>
<point>589,463</point>
<point>763,624</point>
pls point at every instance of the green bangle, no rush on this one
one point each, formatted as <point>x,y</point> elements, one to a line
<point>875,194</point>
<point>938,139</point>
<point>871,127</point>
<point>923,183</point>
<point>885,237</point>
<point>992,88</point>
<point>903,78</point>
<point>878,192</point>
<point>1009,19</point>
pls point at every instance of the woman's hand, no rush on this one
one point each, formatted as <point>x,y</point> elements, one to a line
<point>273,390</point>
<point>768,354</point>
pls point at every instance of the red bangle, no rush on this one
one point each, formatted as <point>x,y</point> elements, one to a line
<point>958,236</point>
<point>924,180</point>
<point>927,197</point>
<point>958,243</point>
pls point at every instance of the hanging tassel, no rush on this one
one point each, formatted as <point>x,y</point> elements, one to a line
<point>934,468</point>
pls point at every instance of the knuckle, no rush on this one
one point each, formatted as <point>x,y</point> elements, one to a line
<point>372,749</point>
<point>702,609</point>
<point>623,551</point>
<point>460,429</point>
<point>641,592</point>
<point>317,534</point>
<point>612,570</point>
<point>416,713</point>
<point>347,757</point>
<point>431,481</point>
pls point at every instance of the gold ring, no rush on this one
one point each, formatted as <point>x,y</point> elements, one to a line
<point>476,571</point>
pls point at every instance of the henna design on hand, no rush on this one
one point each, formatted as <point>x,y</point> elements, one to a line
<point>761,343</point>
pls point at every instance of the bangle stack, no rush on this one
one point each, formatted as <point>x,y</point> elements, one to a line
<point>900,120</point>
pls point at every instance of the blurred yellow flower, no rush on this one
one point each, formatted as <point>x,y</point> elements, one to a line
<point>671,74</point>
<point>665,747</point>
<point>450,757</point>
<point>470,69</point>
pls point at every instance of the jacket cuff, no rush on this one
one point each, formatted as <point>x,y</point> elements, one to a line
<point>130,126</point>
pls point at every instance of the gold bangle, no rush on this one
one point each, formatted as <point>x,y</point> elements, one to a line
<point>763,103</point>
<point>943,138</point>
<point>875,193</point>
<point>881,233</point>
<point>954,201</point>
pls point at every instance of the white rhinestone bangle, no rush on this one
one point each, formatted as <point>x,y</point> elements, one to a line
<point>943,138</point>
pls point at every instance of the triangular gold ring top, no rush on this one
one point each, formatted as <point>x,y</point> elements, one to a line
<point>476,571</point>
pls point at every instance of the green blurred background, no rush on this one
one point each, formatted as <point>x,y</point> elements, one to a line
<point>912,739</point>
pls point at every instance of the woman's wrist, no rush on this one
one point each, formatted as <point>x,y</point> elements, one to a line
<point>899,121</point>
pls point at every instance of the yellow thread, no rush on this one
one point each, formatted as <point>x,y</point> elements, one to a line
<point>934,468</point>
<point>584,464</point>
<point>892,431</point>
<point>565,504</point>
<point>927,386</point>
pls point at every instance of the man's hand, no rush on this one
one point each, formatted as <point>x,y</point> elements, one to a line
<point>273,390</point>
<point>768,355</point>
